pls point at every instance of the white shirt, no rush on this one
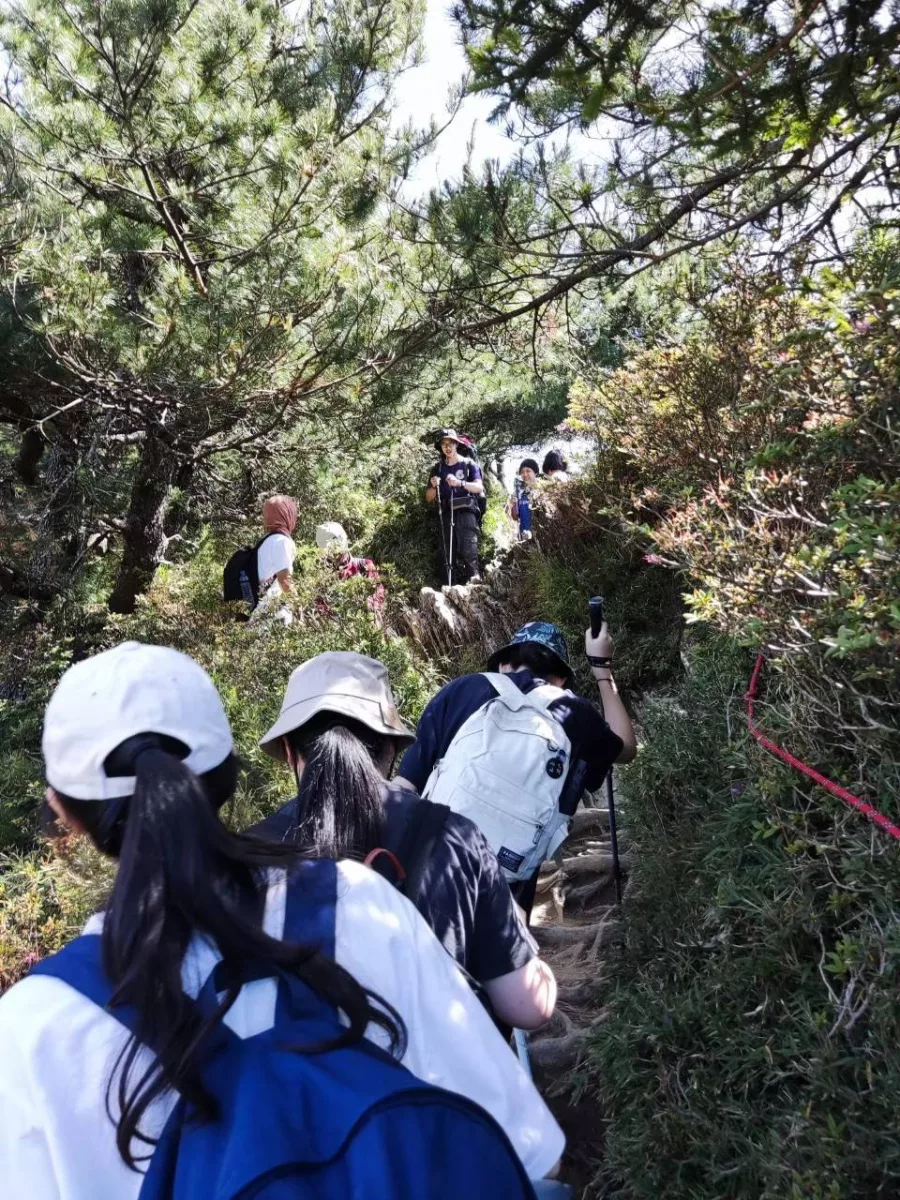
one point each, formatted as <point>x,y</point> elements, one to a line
<point>57,1049</point>
<point>277,553</point>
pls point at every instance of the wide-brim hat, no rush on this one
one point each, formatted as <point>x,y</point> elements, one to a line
<point>343,682</point>
<point>538,633</point>
<point>448,433</point>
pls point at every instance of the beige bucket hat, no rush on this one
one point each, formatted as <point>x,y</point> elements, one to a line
<point>340,681</point>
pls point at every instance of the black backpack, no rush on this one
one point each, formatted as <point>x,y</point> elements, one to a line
<point>240,578</point>
<point>412,830</point>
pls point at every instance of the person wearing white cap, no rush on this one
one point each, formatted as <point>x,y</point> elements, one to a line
<point>339,731</point>
<point>169,1038</point>
<point>332,536</point>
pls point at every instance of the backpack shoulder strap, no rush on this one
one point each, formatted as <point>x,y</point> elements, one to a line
<point>310,905</point>
<point>507,690</point>
<point>540,697</point>
<point>80,965</point>
<point>409,842</point>
<point>424,827</point>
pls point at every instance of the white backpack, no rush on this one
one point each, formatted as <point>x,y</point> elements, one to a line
<point>505,770</point>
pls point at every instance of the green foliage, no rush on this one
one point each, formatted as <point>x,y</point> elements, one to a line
<point>707,120</point>
<point>761,457</point>
<point>202,265</point>
<point>45,898</point>
<point>751,1041</point>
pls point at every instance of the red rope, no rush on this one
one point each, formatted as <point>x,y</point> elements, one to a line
<point>836,790</point>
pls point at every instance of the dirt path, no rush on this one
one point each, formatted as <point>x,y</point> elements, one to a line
<point>575,922</point>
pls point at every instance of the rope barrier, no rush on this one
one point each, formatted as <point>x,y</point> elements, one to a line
<point>861,806</point>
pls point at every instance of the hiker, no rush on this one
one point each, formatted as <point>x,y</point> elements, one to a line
<point>275,556</point>
<point>332,540</point>
<point>456,483</point>
<point>339,732</point>
<point>263,572</point>
<point>520,503</point>
<point>542,753</point>
<point>556,467</point>
<point>179,1027</point>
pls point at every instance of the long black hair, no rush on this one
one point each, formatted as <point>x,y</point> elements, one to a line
<point>182,873</point>
<point>340,797</point>
<point>554,461</point>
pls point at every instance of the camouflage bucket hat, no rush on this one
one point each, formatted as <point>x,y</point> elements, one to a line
<point>538,633</point>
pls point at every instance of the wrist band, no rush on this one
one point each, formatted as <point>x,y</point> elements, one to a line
<point>595,661</point>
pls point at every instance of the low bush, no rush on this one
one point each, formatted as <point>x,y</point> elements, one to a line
<point>752,1040</point>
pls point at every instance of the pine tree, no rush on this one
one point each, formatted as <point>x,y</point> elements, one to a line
<point>201,251</point>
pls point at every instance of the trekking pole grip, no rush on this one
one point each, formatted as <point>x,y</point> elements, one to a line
<point>595,604</point>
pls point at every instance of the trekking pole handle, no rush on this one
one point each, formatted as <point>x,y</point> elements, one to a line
<point>595,604</point>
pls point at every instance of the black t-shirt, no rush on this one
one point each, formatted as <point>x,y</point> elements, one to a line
<point>463,896</point>
<point>594,745</point>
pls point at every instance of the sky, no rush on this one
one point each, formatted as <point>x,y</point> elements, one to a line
<point>423,92</point>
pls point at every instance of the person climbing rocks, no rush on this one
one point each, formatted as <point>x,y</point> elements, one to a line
<point>332,540</point>
<point>456,483</point>
<point>275,556</point>
<point>339,731</point>
<point>145,1051</point>
<point>535,660</point>
<point>519,507</point>
<point>556,467</point>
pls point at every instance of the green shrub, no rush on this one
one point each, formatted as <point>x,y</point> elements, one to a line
<point>752,1046</point>
<point>761,458</point>
<point>45,898</point>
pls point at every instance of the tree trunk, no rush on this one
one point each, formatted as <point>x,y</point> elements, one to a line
<point>27,461</point>
<point>145,536</point>
<point>58,538</point>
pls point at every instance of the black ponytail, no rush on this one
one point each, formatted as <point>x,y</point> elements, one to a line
<point>340,799</point>
<point>182,873</point>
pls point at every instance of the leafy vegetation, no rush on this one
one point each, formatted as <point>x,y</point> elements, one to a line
<point>750,1048</point>
<point>212,289</point>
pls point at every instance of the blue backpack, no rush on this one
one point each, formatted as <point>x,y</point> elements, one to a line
<point>345,1124</point>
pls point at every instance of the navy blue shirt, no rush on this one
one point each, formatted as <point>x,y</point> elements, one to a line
<point>594,745</point>
<point>463,469</point>
<point>463,895</point>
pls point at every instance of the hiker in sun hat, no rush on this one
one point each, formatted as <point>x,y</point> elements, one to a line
<point>456,484</point>
<point>144,1052</point>
<point>332,540</point>
<point>545,750</point>
<point>339,731</point>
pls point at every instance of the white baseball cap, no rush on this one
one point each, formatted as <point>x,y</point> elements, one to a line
<point>131,689</point>
<point>329,533</point>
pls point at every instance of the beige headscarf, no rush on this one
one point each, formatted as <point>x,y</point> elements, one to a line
<point>280,515</point>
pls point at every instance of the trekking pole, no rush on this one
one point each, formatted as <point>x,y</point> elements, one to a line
<point>452,539</point>
<point>595,604</point>
<point>441,523</point>
<point>522,1053</point>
